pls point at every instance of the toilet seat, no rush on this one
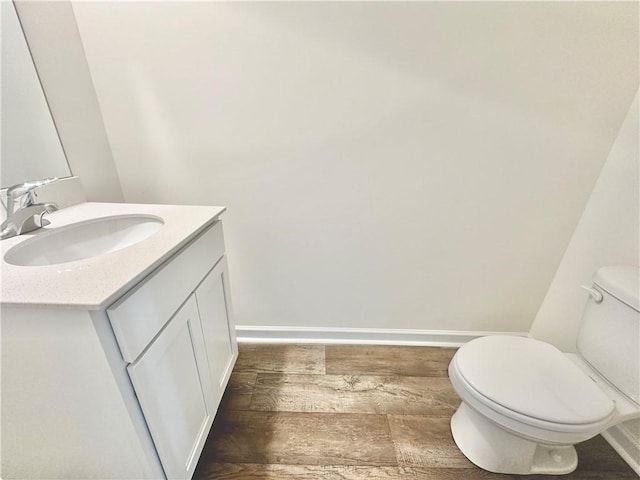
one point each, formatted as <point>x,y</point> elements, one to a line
<point>531,388</point>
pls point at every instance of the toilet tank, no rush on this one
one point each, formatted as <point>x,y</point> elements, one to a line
<point>609,337</point>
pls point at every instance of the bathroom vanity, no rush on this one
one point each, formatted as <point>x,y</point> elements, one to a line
<point>113,365</point>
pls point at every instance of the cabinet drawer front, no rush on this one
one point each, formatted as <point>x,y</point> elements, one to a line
<point>174,389</point>
<point>138,316</point>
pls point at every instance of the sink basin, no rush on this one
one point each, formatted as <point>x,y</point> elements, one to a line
<point>83,240</point>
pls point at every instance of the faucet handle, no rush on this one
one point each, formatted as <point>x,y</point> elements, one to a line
<point>28,198</point>
<point>16,191</point>
<point>24,194</point>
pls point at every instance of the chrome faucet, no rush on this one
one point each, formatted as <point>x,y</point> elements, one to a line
<point>23,214</point>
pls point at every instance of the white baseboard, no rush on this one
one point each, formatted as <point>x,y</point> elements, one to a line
<point>360,336</point>
<point>625,443</point>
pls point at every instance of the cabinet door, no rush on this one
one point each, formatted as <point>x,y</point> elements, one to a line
<point>214,304</point>
<point>174,388</point>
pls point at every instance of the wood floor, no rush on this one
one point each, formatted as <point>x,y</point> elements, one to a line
<point>348,413</point>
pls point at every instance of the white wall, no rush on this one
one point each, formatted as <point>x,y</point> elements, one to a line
<point>607,234</point>
<point>393,165</point>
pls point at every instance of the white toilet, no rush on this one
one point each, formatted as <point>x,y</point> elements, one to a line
<point>525,403</point>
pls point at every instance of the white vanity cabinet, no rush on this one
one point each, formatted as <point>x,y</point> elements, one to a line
<point>174,389</point>
<point>175,329</point>
<point>126,391</point>
<point>219,335</point>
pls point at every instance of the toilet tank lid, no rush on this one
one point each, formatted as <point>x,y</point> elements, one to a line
<point>622,282</point>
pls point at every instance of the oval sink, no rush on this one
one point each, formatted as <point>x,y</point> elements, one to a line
<point>83,240</point>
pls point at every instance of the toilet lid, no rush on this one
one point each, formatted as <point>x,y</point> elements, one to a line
<point>532,378</point>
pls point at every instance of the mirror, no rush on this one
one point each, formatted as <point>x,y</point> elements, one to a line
<point>31,148</point>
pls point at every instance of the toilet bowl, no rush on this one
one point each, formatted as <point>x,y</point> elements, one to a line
<point>525,403</point>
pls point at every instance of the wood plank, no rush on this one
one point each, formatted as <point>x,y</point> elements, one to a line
<point>237,471</point>
<point>299,438</point>
<point>354,394</point>
<point>597,455</point>
<point>237,395</point>
<point>388,360</point>
<point>262,358</point>
<point>581,475</point>
<point>231,471</point>
<point>426,442</point>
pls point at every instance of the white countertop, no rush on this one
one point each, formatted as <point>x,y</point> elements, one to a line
<point>96,282</point>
